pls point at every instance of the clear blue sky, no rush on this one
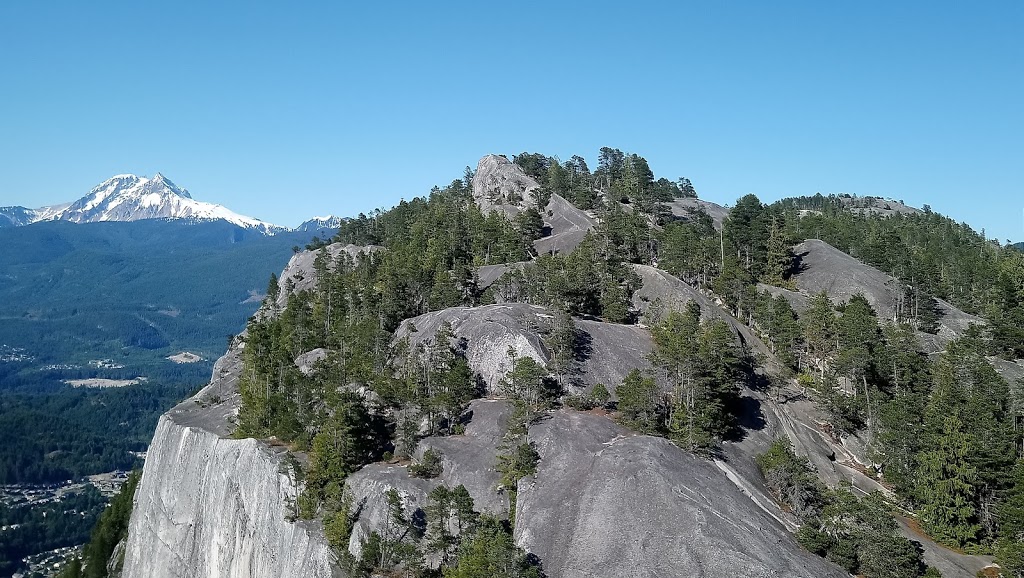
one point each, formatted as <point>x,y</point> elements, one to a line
<point>284,110</point>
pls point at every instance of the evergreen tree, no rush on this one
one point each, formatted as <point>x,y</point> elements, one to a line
<point>492,553</point>
<point>946,490</point>
<point>637,403</point>
<point>778,255</point>
<point>820,332</point>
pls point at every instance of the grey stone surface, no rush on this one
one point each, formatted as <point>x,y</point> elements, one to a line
<point>302,275</point>
<point>489,332</point>
<point>609,351</point>
<point>568,226</point>
<point>469,459</point>
<point>662,292</point>
<point>951,564</point>
<point>213,506</point>
<point>308,360</point>
<point>822,267</point>
<point>685,208</point>
<point>797,300</point>
<point>613,351</point>
<point>501,185</point>
<point>487,275</point>
<point>606,502</point>
<point>1012,371</point>
<point>878,206</point>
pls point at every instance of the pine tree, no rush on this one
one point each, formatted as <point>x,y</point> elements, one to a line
<point>946,490</point>
<point>637,403</point>
<point>778,255</point>
<point>492,553</point>
<point>820,332</point>
<point>561,342</point>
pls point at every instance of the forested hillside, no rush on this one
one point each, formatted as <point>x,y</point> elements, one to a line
<point>131,292</point>
<point>113,301</point>
<point>326,371</point>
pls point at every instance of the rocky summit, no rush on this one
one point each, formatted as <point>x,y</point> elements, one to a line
<point>654,385</point>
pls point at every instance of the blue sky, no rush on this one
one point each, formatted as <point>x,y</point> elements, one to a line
<point>287,110</point>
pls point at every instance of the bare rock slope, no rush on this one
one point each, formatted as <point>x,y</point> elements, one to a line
<point>608,351</point>
<point>606,502</point>
<point>501,185</point>
<point>300,273</point>
<point>686,209</point>
<point>208,505</point>
<point>822,267</point>
<point>469,459</point>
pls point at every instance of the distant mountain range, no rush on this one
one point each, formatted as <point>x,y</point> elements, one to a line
<point>316,224</point>
<point>135,198</point>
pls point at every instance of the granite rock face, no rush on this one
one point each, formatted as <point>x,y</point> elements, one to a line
<point>501,185</point>
<point>211,506</point>
<point>822,267</point>
<point>469,460</point>
<point>606,502</point>
<point>686,208</point>
<point>300,273</point>
<point>489,333</point>
<point>567,225</point>
<point>607,351</point>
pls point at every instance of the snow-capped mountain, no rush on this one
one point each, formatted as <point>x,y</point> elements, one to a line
<point>320,224</point>
<point>18,216</point>
<point>134,198</point>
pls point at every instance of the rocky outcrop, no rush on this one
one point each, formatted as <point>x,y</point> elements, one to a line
<point>469,460</point>
<point>208,505</point>
<point>567,227</point>
<point>306,362</point>
<point>662,293</point>
<point>490,332</point>
<point>878,206</point>
<point>796,300</point>
<point>607,352</point>
<point>822,267</point>
<point>687,208</point>
<point>487,275</point>
<point>501,185</point>
<point>606,502</point>
<point>300,273</point>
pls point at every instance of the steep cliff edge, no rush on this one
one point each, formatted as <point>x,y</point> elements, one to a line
<point>211,506</point>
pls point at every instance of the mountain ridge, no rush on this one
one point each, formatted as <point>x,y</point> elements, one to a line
<point>129,197</point>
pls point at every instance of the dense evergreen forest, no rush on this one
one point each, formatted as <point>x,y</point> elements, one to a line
<point>51,438</point>
<point>941,430</point>
<point>132,292</point>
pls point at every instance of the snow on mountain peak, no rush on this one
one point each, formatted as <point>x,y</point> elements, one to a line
<point>321,223</point>
<point>130,197</point>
